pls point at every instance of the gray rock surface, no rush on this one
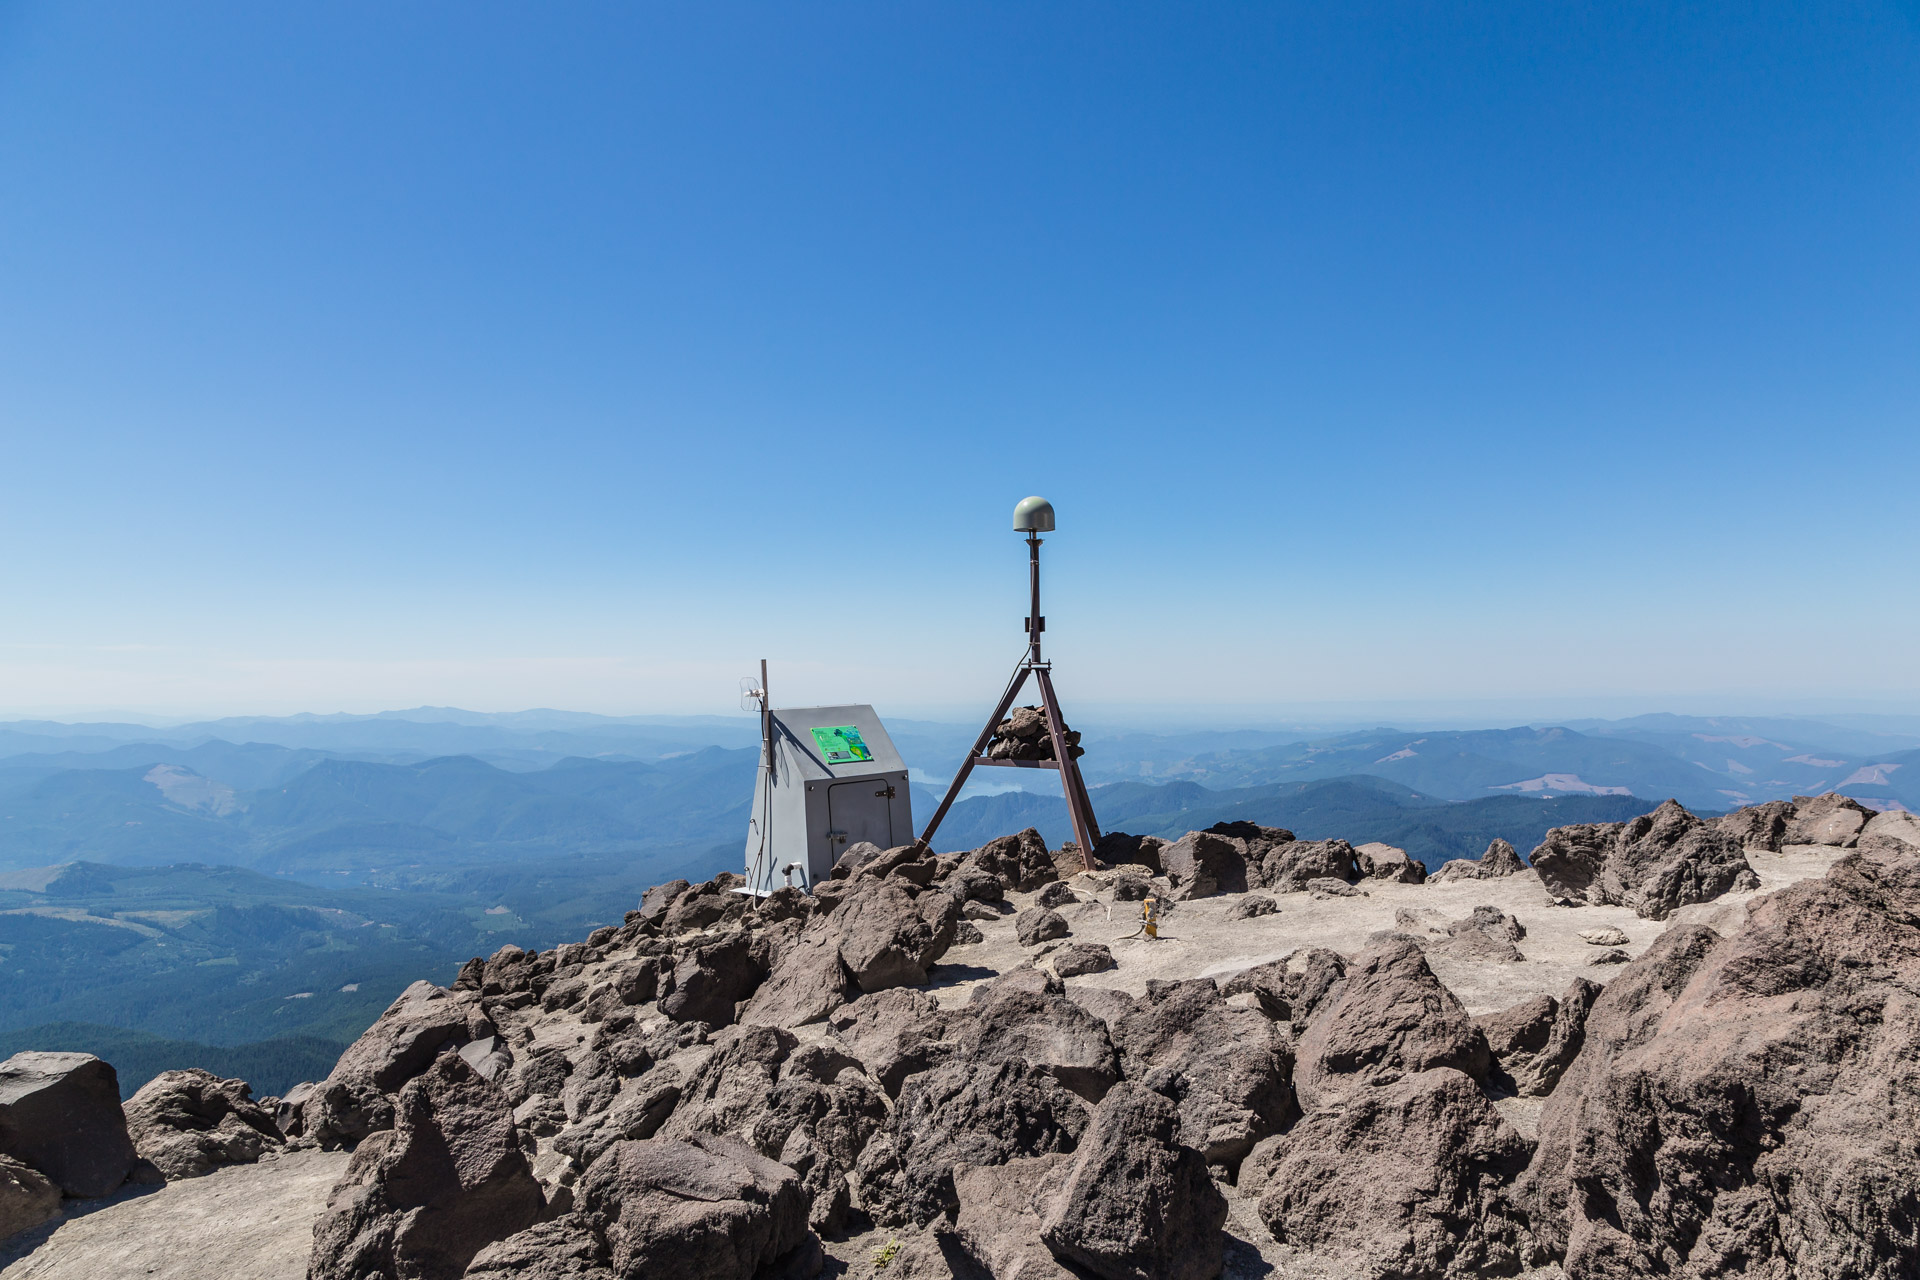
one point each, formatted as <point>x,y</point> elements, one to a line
<point>1039,924</point>
<point>60,1114</point>
<point>1828,819</point>
<point>1749,1105</point>
<point>356,1098</point>
<point>28,1198</point>
<point>1134,1204</point>
<point>189,1123</point>
<point>1378,861</point>
<point>1654,864</point>
<point>1410,1177</point>
<point>1388,1016</point>
<point>421,1199</point>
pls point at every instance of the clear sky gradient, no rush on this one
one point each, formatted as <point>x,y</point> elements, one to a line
<point>367,355</point>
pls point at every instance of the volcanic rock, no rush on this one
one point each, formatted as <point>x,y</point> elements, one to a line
<point>27,1198</point>
<point>655,901</point>
<point>60,1114</point>
<point>1535,1041</point>
<point>1054,895</point>
<point>974,1113</point>
<point>818,1119</point>
<point>897,1033</point>
<point>1410,1178</point>
<point>709,1208</point>
<point>1046,1031</point>
<point>1293,865</point>
<point>1605,936</point>
<point>1082,958</point>
<point>1379,861</point>
<point>356,1098</point>
<point>1654,864</point>
<point>1760,826</point>
<point>1202,864</point>
<point>998,1221</point>
<point>1894,824</point>
<point>1039,924</point>
<point>1387,1017</point>
<point>188,1123</point>
<point>1020,862</point>
<point>1226,1069</point>
<point>422,1199</point>
<point>1252,905</point>
<point>1749,1105</point>
<point>1831,819</point>
<point>1133,1203</point>
<point>887,938</point>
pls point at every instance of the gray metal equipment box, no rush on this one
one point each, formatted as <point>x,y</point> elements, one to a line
<point>835,781</point>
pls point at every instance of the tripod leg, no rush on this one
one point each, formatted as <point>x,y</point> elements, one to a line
<point>979,744</point>
<point>1077,806</point>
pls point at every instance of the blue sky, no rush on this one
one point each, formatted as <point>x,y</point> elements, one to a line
<point>357,356</point>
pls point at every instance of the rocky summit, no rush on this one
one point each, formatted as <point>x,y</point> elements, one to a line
<point>1675,1046</point>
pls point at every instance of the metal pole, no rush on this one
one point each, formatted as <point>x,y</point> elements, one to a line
<point>979,746</point>
<point>1077,808</point>
<point>1035,623</point>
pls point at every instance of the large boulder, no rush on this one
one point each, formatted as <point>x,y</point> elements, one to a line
<point>889,937</point>
<point>1036,925</point>
<point>1044,1030</point>
<point>1760,826</point>
<point>188,1123</point>
<point>1292,865</point>
<point>1500,859</point>
<point>1019,862</point>
<point>1894,824</point>
<point>817,1120</point>
<point>896,1033</point>
<point>807,983</point>
<point>1534,1042</point>
<point>356,1098</point>
<point>1409,1179</point>
<point>1226,1069</point>
<point>997,1223</point>
<point>711,980</point>
<point>1655,864</point>
<point>1134,1204</point>
<point>729,1091</point>
<point>972,1113</point>
<point>422,1199</point>
<point>1829,819</point>
<point>1387,1017</point>
<point>1201,864</point>
<point>708,1208</point>
<point>60,1114</point>
<point>1750,1105</point>
<point>1380,861</point>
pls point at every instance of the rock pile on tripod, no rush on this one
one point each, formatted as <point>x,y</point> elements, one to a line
<point>1024,735</point>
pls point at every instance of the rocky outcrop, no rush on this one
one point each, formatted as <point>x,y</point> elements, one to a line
<point>1654,864</point>
<point>1748,1105</point>
<point>961,1113</point>
<point>1387,1017</point>
<point>1134,1204</point>
<point>1043,1030</point>
<point>420,1200</point>
<point>1020,862</point>
<point>60,1114</point>
<point>1411,1177</point>
<point>1379,861</point>
<point>1535,1041</point>
<point>356,1098</point>
<point>188,1123</point>
<point>1500,859</point>
<point>1226,1069</point>
<point>1202,864</point>
<point>1831,819</point>
<point>1081,958</point>
<point>1760,827</point>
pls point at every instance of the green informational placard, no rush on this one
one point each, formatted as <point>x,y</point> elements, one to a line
<point>841,744</point>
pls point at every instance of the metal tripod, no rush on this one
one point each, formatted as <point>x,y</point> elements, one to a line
<point>1085,830</point>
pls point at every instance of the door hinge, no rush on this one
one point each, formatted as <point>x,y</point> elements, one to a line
<point>888,793</point>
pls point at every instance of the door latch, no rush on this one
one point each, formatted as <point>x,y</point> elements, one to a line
<point>888,793</point>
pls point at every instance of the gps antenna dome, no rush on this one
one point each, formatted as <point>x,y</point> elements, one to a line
<point>1033,515</point>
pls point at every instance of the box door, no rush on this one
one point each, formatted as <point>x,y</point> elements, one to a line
<point>860,809</point>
